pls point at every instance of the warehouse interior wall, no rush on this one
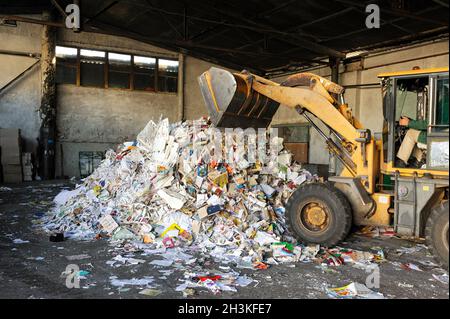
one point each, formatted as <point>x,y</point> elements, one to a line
<point>96,119</point>
<point>366,101</point>
<point>88,118</point>
<point>19,102</point>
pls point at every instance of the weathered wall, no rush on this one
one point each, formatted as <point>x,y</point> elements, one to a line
<point>366,101</point>
<point>91,119</point>
<point>20,102</point>
<point>96,119</point>
<point>194,106</point>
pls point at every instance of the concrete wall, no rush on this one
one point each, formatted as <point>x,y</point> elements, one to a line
<point>96,119</point>
<point>194,106</point>
<point>92,119</point>
<point>366,101</point>
<point>20,102</point>
<point>89,119</point>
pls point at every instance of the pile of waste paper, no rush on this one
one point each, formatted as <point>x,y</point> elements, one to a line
<point>166,189</point>
<point>165,195</point>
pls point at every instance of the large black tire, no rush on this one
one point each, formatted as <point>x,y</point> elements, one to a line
<point>311,200</point>
<point>436,233</point>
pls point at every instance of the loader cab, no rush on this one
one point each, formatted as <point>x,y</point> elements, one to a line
<point>416,114</point>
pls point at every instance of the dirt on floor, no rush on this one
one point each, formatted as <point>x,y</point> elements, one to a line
<point>31,266</point>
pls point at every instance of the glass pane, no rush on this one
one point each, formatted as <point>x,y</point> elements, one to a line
<point>144,81</point>
<point>144,63</point>
<point>66,65</point>
<point>119,80</point>
<point>144,73</point>
<point>442,102</point>
<point>92,68</point>
<point>168,66</point>
<point>66,53</point>
<point>294,134</point>
<point>119,59</point>
<point>166,84</point>
<point>119,70</point>
<point>66,74</point>
<point>168,75</point>
<point>92,74</point>
<point>411,98</point>
<point>92,53</point>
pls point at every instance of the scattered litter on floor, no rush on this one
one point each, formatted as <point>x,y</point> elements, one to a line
<point>165,189</point>
<point>83,273</point>
<point>120,260</point>
<point>410,250</point>
<point>376,231</point>
<point>150,292</point>
<point>5,189</point>
<point>146,281</point>
<point>36,258</point>
<point>162,263</point>
<point>443,278</point>
<point>428,263</point>
<point>20,241</point>
<point>78,257</point>
<point>166,196</point>
<point>411,266</point>
<point>354,290</point>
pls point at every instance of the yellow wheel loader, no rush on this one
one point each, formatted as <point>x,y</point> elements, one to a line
<point>398,177</point>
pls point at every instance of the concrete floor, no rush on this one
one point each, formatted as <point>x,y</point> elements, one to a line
<point>24,274</point>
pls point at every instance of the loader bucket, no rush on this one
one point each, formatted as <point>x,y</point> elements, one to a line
<point>232,103</point>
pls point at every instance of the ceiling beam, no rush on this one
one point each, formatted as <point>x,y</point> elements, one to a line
<point>358,9</point>
<point>201,19</point>
<point>259,15</point>
<point>270,12</point>
<point>343,35</point>
<point>11,9</point>
<point>294,29</point>
<point>441,2</point>
<point>166,19</point>
<point>33,21</point>
<point>297,40</point>
<point>100,12</point>
<point>169,45</point>
<point>59,8</point>
<point>396,12</point>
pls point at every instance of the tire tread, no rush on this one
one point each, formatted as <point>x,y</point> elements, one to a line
<point>338,196</point>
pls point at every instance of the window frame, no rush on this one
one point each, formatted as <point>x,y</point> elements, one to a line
<point>433,105</point>
<point>158,75</point>
<point>155,74</point>
<point>105,69</point>
<point>76,65</point>
<point>132,71</point>
<point>131,74</point>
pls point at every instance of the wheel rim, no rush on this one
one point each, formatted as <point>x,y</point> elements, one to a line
<point>314,217</point>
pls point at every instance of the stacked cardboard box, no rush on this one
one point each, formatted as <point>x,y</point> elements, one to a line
<point>27,167</point>
<point>10,143</point>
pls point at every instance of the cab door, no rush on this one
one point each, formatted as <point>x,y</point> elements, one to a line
<point>438,127</point>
